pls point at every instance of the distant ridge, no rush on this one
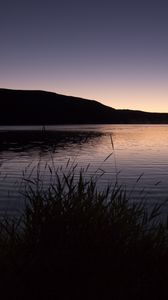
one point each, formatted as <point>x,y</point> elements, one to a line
<point>24,107</point>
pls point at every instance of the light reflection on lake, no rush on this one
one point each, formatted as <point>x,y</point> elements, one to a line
<point>139,150</point>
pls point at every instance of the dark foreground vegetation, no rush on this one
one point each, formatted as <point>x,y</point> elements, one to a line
<point>19,107</point>
<point>73,242</point>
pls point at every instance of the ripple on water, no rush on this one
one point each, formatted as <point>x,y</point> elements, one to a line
<point>138,150</point>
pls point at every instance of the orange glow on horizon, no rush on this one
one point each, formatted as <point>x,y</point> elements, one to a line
<point>144,98</point>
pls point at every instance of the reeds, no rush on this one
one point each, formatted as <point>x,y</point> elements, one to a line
<point>75,242</point>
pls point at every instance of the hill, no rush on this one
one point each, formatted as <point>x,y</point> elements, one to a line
<point>20,107</point>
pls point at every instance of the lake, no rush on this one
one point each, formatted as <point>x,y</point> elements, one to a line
<point>137,155</point>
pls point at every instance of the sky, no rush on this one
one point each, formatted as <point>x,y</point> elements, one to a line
<point>115,52</point>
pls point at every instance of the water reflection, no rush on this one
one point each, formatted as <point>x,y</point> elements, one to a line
<point>20,140</point>
<point>138,149</point>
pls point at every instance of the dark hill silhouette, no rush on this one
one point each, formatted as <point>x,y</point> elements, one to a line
<point>20,107</point>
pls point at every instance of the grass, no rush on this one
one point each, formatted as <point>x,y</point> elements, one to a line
<point>75,242</point>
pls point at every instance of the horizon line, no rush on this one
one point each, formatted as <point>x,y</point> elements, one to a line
<point>80,97</point>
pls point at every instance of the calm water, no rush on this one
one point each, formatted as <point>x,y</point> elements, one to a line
<point>139,151</point>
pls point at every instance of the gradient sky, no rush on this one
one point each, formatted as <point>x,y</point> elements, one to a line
<point>113,51</point>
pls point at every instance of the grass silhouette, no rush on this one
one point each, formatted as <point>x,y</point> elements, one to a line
<point>75,242</point>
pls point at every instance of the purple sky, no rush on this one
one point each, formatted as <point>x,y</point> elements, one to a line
<point>113,51</point>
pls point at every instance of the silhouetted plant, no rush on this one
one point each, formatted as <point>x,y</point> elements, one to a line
<point>76,242</point>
